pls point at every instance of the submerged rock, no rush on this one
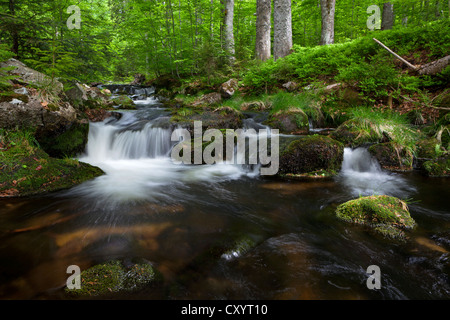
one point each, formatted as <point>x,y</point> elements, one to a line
<point>384,214</point>
<point>311,156</point>
<point>115,277</point>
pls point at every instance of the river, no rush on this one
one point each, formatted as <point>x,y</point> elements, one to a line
<point>221,231</point>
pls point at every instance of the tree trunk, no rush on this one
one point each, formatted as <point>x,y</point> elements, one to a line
<point>263,12</point>
<point>14,34</point>
<point>282,25</point>
<point>328,9</point>
<point>228,29</point>
<point>387,20</point>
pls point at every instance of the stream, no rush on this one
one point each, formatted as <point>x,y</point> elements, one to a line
<point>287,242</point>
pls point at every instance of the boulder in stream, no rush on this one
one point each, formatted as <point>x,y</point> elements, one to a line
<point>314,156</point>
<point>384,214</point>
<point>116,277</point>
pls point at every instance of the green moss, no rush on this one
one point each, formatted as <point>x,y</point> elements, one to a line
<point>426,148</point>
<point>384,214</point>
<point>8,96</point>
<point>27,170</point>
<point>70,143</point>
<point>124,102</point>
<point>289,121</point>
<point>313,156</point>
<point>392,156</point>
<point>113,277</point>
<point>439,167</point>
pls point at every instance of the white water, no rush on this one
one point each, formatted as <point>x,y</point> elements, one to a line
<point>135,155</point>
<point>362,174</point>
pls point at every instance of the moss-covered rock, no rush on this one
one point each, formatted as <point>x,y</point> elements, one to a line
<point>219,118</point>
<point>392,156</point>
<point>353,133</point>
<point>439,167</point>
<point>70,143</point>
<point>123,102</point>
<point>386,215</point>
<point>426,148</point>
<point>114,277</point>
<point>289,121</point>
<point>311,156</point>
<point>27,170</point>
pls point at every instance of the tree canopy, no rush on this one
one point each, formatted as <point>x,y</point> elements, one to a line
<point>117,39</point>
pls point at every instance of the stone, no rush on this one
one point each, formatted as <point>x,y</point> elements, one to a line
<point>289,121</point>
<point>290,86</point>
<point>227,89</point>
<point>28,76</point>
<point>383,214</point>
<point>313,156</point>
<point>392,156</point>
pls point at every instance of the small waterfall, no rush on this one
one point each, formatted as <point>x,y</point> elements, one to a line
<point>113,142</point>
<point>362,174</point>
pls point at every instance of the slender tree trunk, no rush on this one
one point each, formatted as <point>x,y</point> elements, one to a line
<point>282,28</point>
<point>328,9</point>
<point>263,25</point>
<point>387,19</point>
<point>228,29</point>
<point>14,34</point>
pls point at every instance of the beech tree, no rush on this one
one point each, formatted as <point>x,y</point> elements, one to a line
<point>282,28</point>
<point>263,27</point>
<point>387,19</point>
<point>328,10</point>
<point>228,29</point>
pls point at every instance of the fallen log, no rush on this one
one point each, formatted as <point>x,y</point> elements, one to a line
<point>431,68</point>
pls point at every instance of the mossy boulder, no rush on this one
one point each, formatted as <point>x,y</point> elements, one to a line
<point>353,133</point>
<point>426,148</point>
<point>69,143</point>
<point>311,156</point>
<point>289,121</point>
<point>113,277</point>
<point>392,156</point>
<point>27,170</point>
<point>438,167</point>
<point>123,102</point>
<point>383,214</point>
<point>218,118</point>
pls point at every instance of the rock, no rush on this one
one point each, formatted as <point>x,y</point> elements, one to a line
<point>123,102</point>
<point>77,94</point>
<point>33,114</point>
<point>138,79</point>
<point>69,143</point>
<point>115,277</point>
<point>439,167</point>
<point>254,106</point>
<point>29,76</point>
<point>22,90</point>
<point>310,157</point>
<point>384,214</point>
<point>392,156</point>
<point>28,170</point>
<point>289,121</point>
<point>227,89</point>
<point>98,115</point>
<point>208,100</point>
<point>290,86</point>
<point>351,134</point>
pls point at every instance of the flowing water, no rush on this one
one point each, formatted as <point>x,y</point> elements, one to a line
<point>221,231</point>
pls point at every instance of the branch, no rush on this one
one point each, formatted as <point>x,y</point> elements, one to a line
<point>396,55</point>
